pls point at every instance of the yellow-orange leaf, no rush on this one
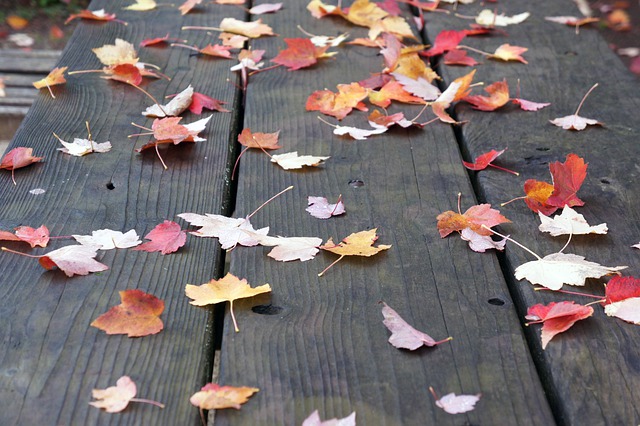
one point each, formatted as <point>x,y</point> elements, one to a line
<point>356,244</point>
<point>507,52</point>
<point>122,52</point>
<point>56,76</point>
<point>252,29</point>
<point>215,397</point>
<point>138,315</point>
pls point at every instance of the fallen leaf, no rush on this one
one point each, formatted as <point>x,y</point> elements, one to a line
<point>474,218</point>
<point>456,404</point>
<point>574,121</point>
<point>481,243</point>
<point>404,336</point>
<point>292,161</point>
<point>73,260</point>
<point>498,96</point>
<point>529,105</point>
<point>445,41</point>
<point>320,208</point>
<point>80,147</point>
<point>216,397</point>
<point>286,249</point>
<point>157,40</point>
<point>253,29</point>
<point>166,237</point>
<point>619,20</point>
<point>567,180</point>
<point>176,106</point>
<point>556,317</point>
<point>459,57</point>
<point>188,5</point>
<point>419,87</point>
<point>258,139</point>
<point>16,22</point>
<point>301,53</point>
<point>142,5</point>
<point>17,158</point>
<point>55,77</point>
<point>200,102</point>
<point>569,222</point>
<point>556,269</point>
<point>340,104</point>
<point>107,239</point>
<point>138,315</point>
<point>21,39</point>
<point>121,52</point>
<point>488,18</point>
<point>227,288</point>
<point>116,398</point>
<point>572,21</point>
<point>314,420</point>
<point>537,196</point>
<point>484,160</point>
<point>27,234</point>
<point>94,15</point>
<point>623,299</point>
<point>265,8</point>
<point>356,244</point>
<point>376,119</point>
<point>507,52</point>
<point>230,231</point>
<point>168,131</point>
<point>217,50</point>
<point>357,133</point>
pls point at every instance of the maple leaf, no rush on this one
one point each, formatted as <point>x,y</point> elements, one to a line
<point>481,243</point>
<point>506,52</point>
<point>498,96</point>
<point>125,73</point>
<point>227,288</point>
<point>56,76</point>
<point>166,237</point>
<point>176,106</point>
<point>94,15</point>
<point>252,29</point>
<point>314,420</point>
<point>529,105</point>
<point>265,8</point>
<point>356,244</point>
<point>340,104</point>
<point>572,21</point>
<point>107,239</point>
<point>404,336</point>
<point>188,5</point>
<point>168,131</point>
<point>142,5</point>
<point>80,147</point>
<point>376,119</point>
<point>17,158</point>
<point>569,222</point>
<point>623,299</point>
<point>475,218</point>
<point>319,9</point>
<point>72,260</point>
<point>484,160</point>
<point>215,397</point>
<point>574,121</point>
<point>291,160</point>
<point>200,101</point>
<point>158,40</point>
<point>27,234</point>
<point>567,180</point>
<point>459,57</point>
<point>286,249</point>
<point>488,18</point>
<point>301,53</point>
<point>556,269</point>
<point>320,208</point>
<point>357,133</point>
<point>445,40</point>
<point>455,404</point>
<point>419,87</point>
<point>556,317</point>
<point>230,231</point>
<point>258,139</point>
<point>116,398</point>
<point>121,52</point>
<point>537,196</point>
<point>138,315</point>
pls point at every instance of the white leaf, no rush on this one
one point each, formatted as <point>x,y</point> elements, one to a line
<point>487,18</point>
<point>291,160</point>
<point>292,248</point>
<point>456,404</point>
<point>481,243</point>
<point>420,87</point>
<point>627,310</point>
<point>107,239</point>
<point>176,106</point>
<point>569,222</point>
<point>80,147</point>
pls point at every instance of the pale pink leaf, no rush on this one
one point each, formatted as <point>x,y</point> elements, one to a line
<point>166,237</point>
<point>73,260</point>
<point>627,310</point>
<point>481,243</point>
<point>107,239</point>
<point>456,404</point>
<point>574,122</point>
<point>403,335</point>
<point>321,208</point>
<point>420,87</point>
<point>229,231</point>
<point>314,420</point>
<point>286,249</point>
<point>529,105</point>
<point>265,8</point>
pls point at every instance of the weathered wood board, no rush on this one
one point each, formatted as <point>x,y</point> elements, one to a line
<point>319,342</point>
<point>591,372</point>
<point>51,358</point>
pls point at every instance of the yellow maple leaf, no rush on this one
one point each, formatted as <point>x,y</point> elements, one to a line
<point>122,52</point>
<point>142,5</point>
<point>227,288</point>
<point>56,76</point>
<point>356,244</point>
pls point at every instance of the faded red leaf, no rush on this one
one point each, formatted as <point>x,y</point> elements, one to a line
<point>17,158</point>
<point>404,336</point>
<point>259,140</point>
<point>529,105</point>
<point>473,218</point>
<point>456,404</point>
<point>314,420</point>
<point>567,180</point>
<point>138,315</point>
<point>73,260</point>
<point>215,397</point>
<point>116,398</point>
<point>166,237</point>
<point>188,5</point>
<point>537,196</point>
<point>498,96</point>
<point>157,40</point>
<point>265,8</point>
<point>27,234</point>
<point>125,73</point>
<point>446,40</point>
<point>459,57</point>
<point>507,52</point>
<point>96,15</point>
<point>217,50</point>
<point>623,299</point>
<point>301,53</point>
<point>393,91</point>
<point>340,104</point>
<point>556,317</point>
<point>200,102</point>
<point>320,208</point>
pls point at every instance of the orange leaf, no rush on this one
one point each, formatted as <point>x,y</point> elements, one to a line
<point>498,96</point>
<point>216,397</point>
<point>473,218</point>
<point>216,50</point>
<point>537,196</point>
<point>339,104</point>
<point>301,53</point>
<point>506,52</point>
<point>393,91</point>
<point>125,73</point>
<point>188,5</point>
<point>138,315</point>
<point>97,15</point>
<point>253,29</point>
<point>56,76</point>
<point>356,244</point>
<point>16,22</point>
<point>18,157</point>
<point>258,139</point>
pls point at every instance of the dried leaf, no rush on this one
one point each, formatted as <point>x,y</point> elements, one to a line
<point>419,87</point>
<point>498,96</point>
<point>456,404</point>
<point>507,52</point>
<point>356,244</point>
<point>265,8</point>
<point>481,243</point>
<point>116,398</point>
<point>474,218</point>
<point>259,140</point>
<point>56,76</point>
<point>569,222</point>
<point>73,260</point>
<point>340,104</point>
<point>94,15</point>
<point>137,315</point>
<point>488,18</point>
<point>567,180</point>
<point>17,158</point>
<point>292,161</point>
<point>556,317</point>
<point>80,147</point>
<point>142,5</point>
<point>176,106</point>
<point>574,121</point>
<point>286,249</point>
<point>216,397</point>
<point>166,237</point>
<point>301,53</point>
<point>188,5</point>
<point>230,231</point>
<point>107,239</point>
<point>252,29</point>
<point>445,41</point>
<point>27,234</point>
<point>319,207</point>
<point>404,336</point>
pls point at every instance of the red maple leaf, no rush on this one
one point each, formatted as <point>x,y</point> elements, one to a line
<point>17,158</point>
<point>484,160</point>
<point>567,179</point>
<point>126,73</point>
<point>556,317</point>
<point>446,40</point>
<point>537,197</point>
<point>459,57</point>
<point>166,237</point>
<point>473,218</point>
<point>157,40</point>
<point>498,96</point>
<point>620,288</point>
<point>200,101</point>
<point>301,53</point>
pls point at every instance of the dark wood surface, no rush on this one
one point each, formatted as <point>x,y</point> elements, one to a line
<point>319,342</point>
<point>322,344</point>
<point>51,358</point>
<point>592,371</point>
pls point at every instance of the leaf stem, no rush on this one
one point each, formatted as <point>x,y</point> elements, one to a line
<point>511,201</point>
<point>160,157</point>
<point>337,203</point>
<point>19,252</point>
<point>585,97</point>
<point>269,200</point>
<point>473,49</point>
<point>503,169</point>
<point>575,293</point>
<point>202,28</point>
<point>483,226</point>
<point>327,268</point>
<point>233,317</point>
<point>148,401</point>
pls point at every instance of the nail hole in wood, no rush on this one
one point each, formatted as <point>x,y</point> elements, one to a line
<point>496,301</point>
<point>110,186</point>
<point>605,181</point>
<point>267,309</point>
<point>542,149</point>
<point>356,183</point>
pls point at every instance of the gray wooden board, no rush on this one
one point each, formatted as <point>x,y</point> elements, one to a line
<point>319,342</point>
<point>35,61</point>
<point>592,370</point>
<point>51,358</point>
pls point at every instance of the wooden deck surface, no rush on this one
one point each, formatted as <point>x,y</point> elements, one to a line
<point>319,342</point>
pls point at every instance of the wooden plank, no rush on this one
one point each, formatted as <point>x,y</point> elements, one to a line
<point>591,370</point>
<point>319,343</point>
<point>51,358</point>
<point>33,61</point>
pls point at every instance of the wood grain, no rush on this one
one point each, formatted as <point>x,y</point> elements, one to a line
<point>51,358</point>
<point>591,371</point>
<point>319,342</point>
